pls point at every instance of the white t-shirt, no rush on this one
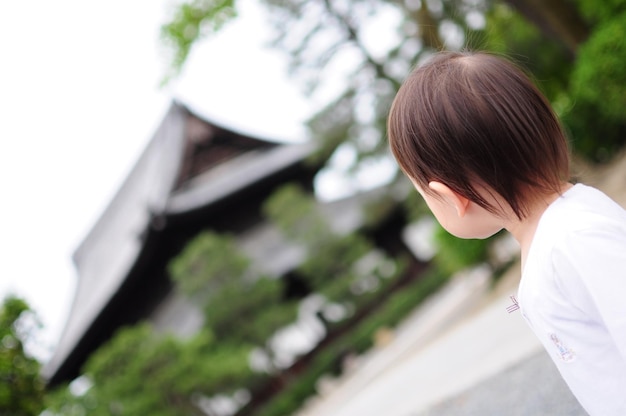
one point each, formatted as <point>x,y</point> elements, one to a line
<point>573,295</point>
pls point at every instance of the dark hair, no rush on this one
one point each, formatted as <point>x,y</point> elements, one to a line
<point>471,119</point>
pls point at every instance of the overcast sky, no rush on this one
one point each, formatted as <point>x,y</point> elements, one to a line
<point>80,98</point>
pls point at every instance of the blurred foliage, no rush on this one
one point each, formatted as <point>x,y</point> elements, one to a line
<point>545,59</point>
<point>21,388</point>
<point>330,45</point>
<point>192,21</point>
<point>597,120</point>
<point>294,212</point>
<point>142,372</point>
<point>208,263</point>
<point>358,340</point>
<point>239,304</point>
<point>250,313</point>
<point>333,53</point>
<point>455,254</point>
<point>342,267</point>
<point>600,11</point>
<point>600,78</point>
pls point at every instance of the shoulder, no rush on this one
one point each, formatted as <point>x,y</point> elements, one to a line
<point>583,210</point>
<point>582,229</point>
<point>581,223</point>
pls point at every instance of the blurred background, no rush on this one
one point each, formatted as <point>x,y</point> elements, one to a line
<point>202,216</point>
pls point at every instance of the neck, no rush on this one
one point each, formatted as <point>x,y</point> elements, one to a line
<point>524,230</point>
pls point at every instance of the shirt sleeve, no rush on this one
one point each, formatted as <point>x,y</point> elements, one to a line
<point>591,269</point>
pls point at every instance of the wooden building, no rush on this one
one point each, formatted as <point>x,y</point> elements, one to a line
<point>193,175</point>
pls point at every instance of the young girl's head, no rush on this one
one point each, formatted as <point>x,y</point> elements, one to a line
<point>476,123</point>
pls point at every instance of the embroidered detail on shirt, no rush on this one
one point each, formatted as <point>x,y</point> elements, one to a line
<point>566,354</point>
<point>514,306</point>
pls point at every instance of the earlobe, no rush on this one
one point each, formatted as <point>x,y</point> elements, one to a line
<point>460,203</point>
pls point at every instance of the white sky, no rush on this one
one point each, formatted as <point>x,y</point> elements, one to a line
<point>79,99</point>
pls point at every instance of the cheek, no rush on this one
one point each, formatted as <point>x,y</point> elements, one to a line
<point>461,228</point>
<point>458,229</point>
<point>444,214</point>
<point>475,228</point>
<point>473,225</point>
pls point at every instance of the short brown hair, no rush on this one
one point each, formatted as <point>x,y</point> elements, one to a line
<point>468,118</point>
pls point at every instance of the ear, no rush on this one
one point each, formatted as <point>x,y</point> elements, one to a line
<point>458,201</point>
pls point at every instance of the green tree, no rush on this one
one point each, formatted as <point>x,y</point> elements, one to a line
<point>142,372</point>
<point>21,388</point>
<point>343,267</point>
<point>575,49</point>
<point>577,64</point>
<point>191,22</point>
<point>209,262</point>
<point>240,304</point>
<point>332,42</point>
<point>598,91</point>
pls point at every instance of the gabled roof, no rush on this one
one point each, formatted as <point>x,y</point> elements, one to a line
<point>188,164</point>
<point>239,173</point>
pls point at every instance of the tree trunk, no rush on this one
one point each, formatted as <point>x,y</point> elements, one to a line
<point>558,19</point>
<point>428,27</point>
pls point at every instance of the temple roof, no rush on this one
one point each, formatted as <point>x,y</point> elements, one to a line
<point>188,164</point>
